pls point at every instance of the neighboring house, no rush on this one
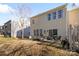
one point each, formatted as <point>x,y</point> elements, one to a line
<point>26,33</point>
<point>7,28</point>
<point>54,22</point>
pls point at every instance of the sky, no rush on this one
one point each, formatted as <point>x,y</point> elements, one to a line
<point>6,10</point>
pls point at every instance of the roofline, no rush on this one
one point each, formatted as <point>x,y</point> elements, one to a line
<point>73,9</point>
<point>7,22</point>
<point>49,10</point>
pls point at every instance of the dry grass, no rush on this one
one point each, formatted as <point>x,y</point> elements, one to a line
<point>16,47</point>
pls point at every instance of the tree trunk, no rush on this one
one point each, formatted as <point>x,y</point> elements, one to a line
<point>22,33</point>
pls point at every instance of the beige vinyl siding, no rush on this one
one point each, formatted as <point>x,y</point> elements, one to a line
<point>74,17</point>
<point>42,22</point>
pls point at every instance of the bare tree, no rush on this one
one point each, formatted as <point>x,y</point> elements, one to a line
<point>22,12</point>
<point>14,26</point>
<point>70,36</point>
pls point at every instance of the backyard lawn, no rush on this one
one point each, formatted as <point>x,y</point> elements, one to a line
<point>27,47</point>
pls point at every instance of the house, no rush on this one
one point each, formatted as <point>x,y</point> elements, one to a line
<point>7,28</point>
<point>26,32</point>
<point>55,22</point>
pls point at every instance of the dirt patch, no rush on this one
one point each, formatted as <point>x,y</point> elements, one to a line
<point>31,48</point>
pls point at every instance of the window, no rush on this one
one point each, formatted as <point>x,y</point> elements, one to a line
<point>44,31</point>
<point>41,32</point>
<point>60,13</point>
<point>54,15</point>
<point>33,21</point>
<point>5,27</point>
<point>37,32</point>
<point>34,32</point>
<point>55,32</point>
<point>49,16</point>
<point>51,33</point>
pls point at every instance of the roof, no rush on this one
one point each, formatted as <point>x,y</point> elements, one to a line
<point>8,22</point>
<point>50,10</point>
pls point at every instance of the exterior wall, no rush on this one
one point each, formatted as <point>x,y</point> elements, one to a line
<point>26,33</point>
<point>73,33</point>
<point>41,22</point>
<point>7,28</point>
<point>74,17</point>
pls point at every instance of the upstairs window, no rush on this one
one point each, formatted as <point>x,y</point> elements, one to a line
<point>49,16</point>
<point>60,13</point>
<point>54,15</point>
